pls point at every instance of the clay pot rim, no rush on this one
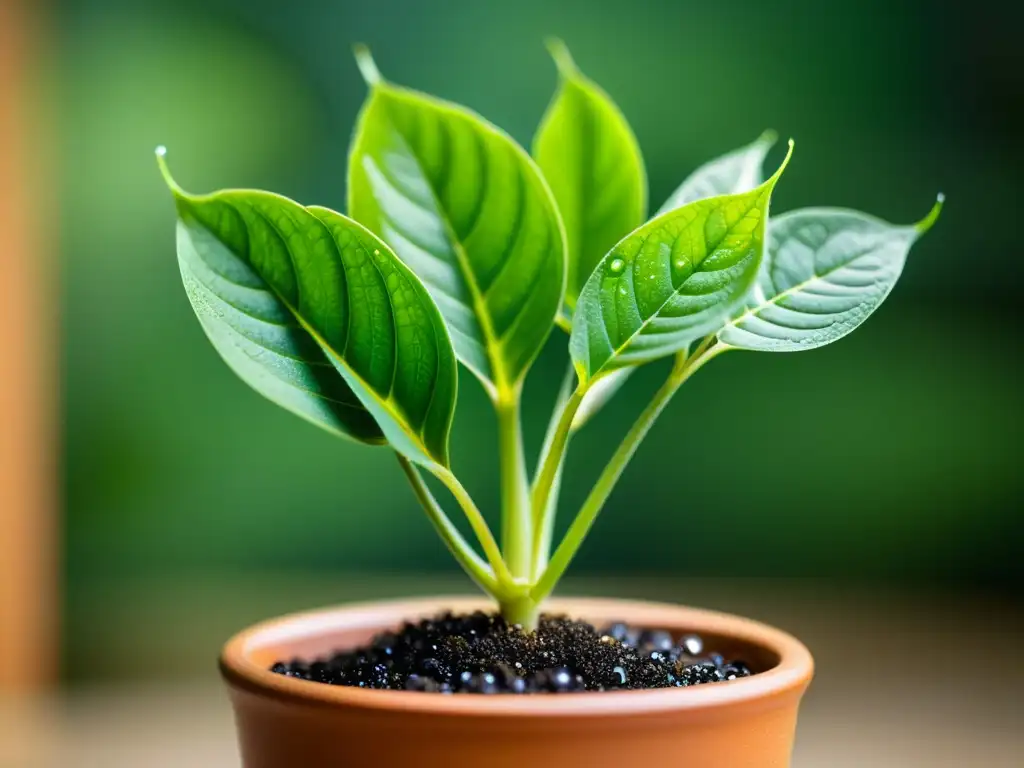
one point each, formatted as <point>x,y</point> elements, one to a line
<point>791,674</point>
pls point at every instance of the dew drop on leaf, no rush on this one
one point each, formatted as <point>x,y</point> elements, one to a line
<point>616,266</point>
<point>681,268</point>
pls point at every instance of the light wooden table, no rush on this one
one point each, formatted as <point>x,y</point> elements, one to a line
<point>959,703</point>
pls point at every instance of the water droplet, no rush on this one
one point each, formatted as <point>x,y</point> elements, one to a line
<point>376,252</point>
<point>691,645</point>
<point>682,268</point>
<point>616,266</point>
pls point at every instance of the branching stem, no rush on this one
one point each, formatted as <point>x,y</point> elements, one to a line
<point>477,569</point>
<point>480,528</point>
<point>544,519</point>
<point>522,577</point>
<point>551,462</point>
<point>681,371</point>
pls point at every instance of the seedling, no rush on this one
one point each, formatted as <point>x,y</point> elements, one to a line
<point>459,247</point>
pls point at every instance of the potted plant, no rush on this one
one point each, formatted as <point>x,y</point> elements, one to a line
<point>459,247</point>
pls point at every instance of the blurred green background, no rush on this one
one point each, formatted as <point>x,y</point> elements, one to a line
<point>889,456</point>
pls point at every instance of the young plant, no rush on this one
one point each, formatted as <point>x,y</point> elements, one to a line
<point>460,246</point>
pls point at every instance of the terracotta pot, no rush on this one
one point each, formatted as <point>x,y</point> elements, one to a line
<point>289,723</point>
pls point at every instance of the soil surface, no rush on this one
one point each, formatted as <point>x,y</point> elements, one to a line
<point>480,653</point>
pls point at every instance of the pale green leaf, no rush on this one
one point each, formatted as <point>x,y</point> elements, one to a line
<point>825,271</point>
<point>592,161</point>
<point>675,279</point>
<point>317,314</point>
<point>469,212</point>
<point>737,171</point>
<point>597,397</point>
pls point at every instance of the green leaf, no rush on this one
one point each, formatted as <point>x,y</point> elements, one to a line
<point>673,280</point>
<point>315,313</point>
<point>469,212</point>
<point>597,397</point>
<point>737,171</point>
<point>592,161</point>
<point>825,271</point>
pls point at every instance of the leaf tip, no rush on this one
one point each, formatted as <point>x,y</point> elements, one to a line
<point>767,138</point>
<point>367,66</point>
<point>563,59</point>
<point>165,171</point>
<point>933,215</point>
<point>785,162</point>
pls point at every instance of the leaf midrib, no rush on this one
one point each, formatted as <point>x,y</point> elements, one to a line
<point>672,294</point>
<point>400,418</point>
<point>492,343</point>
<point>388,404</point>
<point>240,348</point>
<point>752,312</point>
<point>348,283</point>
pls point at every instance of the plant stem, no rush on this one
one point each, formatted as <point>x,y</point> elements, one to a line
<point>521,610</point>
<point>483,532</point>
<point>551,462</point>
<point>516,522</point>
<point>477,569</point>
<point>543,527</point>
<point>681,371</point>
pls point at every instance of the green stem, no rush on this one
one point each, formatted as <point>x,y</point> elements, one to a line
<point>516,522</point>
<point>544,527</point>
<point>551,462</point>
<point>477,569</point>
<point>483,532</point>
<point>521,610</point>
<point>681,371</point>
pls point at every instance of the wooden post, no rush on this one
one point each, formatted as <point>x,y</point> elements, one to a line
<point>28,563</point>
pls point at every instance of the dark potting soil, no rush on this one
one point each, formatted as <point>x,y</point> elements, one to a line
<point>480,653</point>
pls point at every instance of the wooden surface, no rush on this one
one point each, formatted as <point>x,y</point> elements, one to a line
<point>27,564</point>
<point>904,680</point>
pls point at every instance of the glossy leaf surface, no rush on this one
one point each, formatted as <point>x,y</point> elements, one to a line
<point>592,161</point>
<point>673,280</point>
<point>737,171</point>
<point>468,211</point>
<point>825,271</point>
<point>317,314</point>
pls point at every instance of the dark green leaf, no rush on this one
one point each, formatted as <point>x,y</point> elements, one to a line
<point>825,271</point>
<point>675,279</point>
<point>468,211</point>
<point>317,314</point>
<point>592,161</point>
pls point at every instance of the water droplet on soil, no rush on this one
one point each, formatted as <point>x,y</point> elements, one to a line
<point>692,645</point>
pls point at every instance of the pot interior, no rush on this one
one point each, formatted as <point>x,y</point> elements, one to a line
<point>314,636</point>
